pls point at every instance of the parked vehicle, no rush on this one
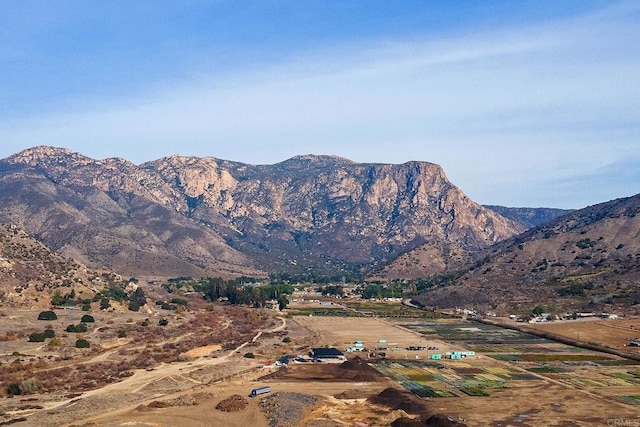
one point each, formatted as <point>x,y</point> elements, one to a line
<point>260,390</point>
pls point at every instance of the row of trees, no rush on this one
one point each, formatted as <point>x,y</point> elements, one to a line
<point>215,289</point>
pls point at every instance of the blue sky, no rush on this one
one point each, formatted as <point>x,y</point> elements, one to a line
<point>523,103</point>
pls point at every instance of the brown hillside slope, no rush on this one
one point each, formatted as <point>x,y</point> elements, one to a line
<point>588,259</point>
<point>30,273</point>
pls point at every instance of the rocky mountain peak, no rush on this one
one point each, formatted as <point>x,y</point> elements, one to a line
<point>314,160</point>
<point>42,154</point>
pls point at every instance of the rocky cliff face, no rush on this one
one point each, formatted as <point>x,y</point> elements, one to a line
<point>202,215</point>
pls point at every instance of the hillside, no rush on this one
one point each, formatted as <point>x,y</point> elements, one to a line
<point>436,257</point>
<point>588,259</point>
<point>30,273</point>
<point>99,213</point>
<point>204,216</point>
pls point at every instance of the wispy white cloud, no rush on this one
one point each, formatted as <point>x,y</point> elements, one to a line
<point>499,109</point>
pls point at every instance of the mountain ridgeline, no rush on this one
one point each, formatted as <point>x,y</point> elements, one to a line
<point>204,216</point>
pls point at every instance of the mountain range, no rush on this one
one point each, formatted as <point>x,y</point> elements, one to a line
<point>193,216</point>
<point>203,216</point>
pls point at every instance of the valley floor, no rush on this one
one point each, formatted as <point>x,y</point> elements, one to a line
<point>512,379</point>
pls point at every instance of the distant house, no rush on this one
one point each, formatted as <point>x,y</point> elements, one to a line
<point>326,353</point>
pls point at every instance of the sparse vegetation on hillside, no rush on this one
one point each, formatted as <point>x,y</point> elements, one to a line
<point>585,260</point>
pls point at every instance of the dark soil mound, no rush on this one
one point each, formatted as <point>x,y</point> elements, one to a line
<point>440,420</point>
<point>357,369</point>
<point>437,420</point>
<point>233,403</point>
<point>396,399</point>
<point>407,422</point>
<point>355,364</point>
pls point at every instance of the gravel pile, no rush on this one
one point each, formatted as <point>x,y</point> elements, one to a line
<point>286,409</point>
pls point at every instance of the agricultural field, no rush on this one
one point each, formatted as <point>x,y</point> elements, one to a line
<point>552,382</point>
<point>351,308</point>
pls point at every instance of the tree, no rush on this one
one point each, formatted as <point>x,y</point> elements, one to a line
<point>282,302</point>
<point>57,299</point>
<point>538,310</point>
<point>47,315</point>
<point>137,300</point>
<point>87,318</point>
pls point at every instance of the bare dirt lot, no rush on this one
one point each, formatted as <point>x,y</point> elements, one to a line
<point>608,332</point>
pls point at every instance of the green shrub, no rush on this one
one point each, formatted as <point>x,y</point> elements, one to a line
<point>14,389</point>
<point>37,337</point>
<point>249,356</point>
<point>82,343</point>
<point>163,322</point>
<point>286,339</point>
<point>31,385</point>
<point>179,301</point>
<point>47,315</point>
<point>87,318</point>
<point>86,306</point>
<point>49,333</point>
<point>145,322</point>
<point>82,327</point>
